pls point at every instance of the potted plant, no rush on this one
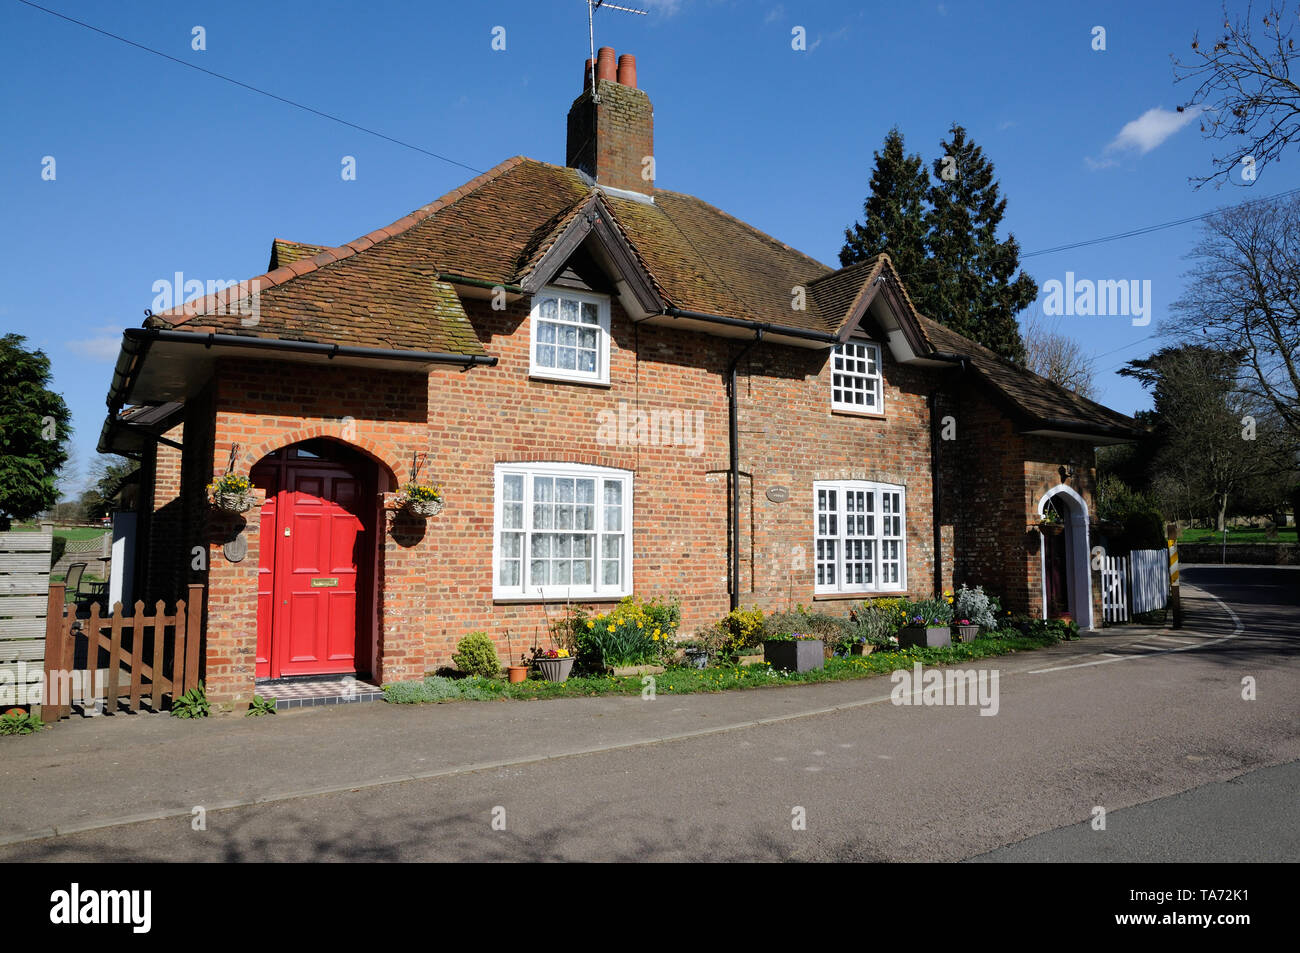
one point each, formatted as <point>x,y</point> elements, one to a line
<point>421,499</point>
<point>515,672</point>
<point>965,630</point>
<point>695,654</point>
<point>553,665</point>
<point>876,623</point>
<point>232,494</point>
<point>795,652</point>
<point>927,623</point>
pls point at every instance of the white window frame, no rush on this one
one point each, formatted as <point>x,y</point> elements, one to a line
<point>872,525</point>
<point>866,353</point>
<point>536,369</point>
<point>525,590</point>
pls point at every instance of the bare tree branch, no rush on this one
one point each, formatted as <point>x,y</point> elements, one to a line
<point>1245,93</point>
<point>1060,359</point>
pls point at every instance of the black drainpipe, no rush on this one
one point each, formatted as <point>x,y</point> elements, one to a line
<point>935,489</point>
<point>734,441</point>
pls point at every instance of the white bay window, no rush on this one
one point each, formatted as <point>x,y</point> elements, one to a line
<point>860,539</point>
<point>562,530</point>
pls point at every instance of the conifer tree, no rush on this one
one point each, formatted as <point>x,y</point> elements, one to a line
<point>974,287</point>
<point>893,213</point>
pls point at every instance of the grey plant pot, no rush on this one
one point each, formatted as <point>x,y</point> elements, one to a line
<point>554,669</point>
<point>697,659</point>
<point>932,636</point>
<point>966,633</point>
<point>802,656</point>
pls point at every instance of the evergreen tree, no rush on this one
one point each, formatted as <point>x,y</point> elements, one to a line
<point>893,213</point>
<point>33,431</point>
<point>973,287</point>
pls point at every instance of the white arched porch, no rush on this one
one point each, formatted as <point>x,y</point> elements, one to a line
<point>1078,573</point>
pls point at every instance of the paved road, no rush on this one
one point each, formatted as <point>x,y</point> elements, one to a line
<point>1114,721</point>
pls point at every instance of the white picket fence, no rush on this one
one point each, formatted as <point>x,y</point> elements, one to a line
<point>1138,582</point>
<point>1114,588</point>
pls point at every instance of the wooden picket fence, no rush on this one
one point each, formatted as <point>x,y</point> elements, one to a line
<point>141,657</point>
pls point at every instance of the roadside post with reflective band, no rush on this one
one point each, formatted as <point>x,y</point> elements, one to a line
<point>1175,600</point>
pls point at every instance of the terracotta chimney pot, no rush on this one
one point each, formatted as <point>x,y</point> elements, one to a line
<point>627,70</point>
<point>605,68</point>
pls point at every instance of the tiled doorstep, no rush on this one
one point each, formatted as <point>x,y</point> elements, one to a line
<point>324,691</point>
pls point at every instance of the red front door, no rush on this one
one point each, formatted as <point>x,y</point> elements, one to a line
<point>313,613</point>
<point>1054,566</point>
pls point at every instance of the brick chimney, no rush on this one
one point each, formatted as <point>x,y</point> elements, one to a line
<point>611,134</point>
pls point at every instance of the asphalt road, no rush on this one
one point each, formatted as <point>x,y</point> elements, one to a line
<point>1146,725</point>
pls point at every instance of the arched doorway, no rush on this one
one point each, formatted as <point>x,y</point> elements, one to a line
<point>1067,579</point>
<point>315,590</point>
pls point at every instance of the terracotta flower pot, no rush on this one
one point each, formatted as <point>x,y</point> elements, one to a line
<point>517,673</point>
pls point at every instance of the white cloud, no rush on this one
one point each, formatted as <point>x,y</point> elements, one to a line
<point>1095,164</point>
<point>1151,129</point>
<point>776,13</point>
<point>666,7</point>
<point>102,347</point>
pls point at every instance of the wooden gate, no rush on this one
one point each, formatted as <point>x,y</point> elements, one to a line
<point>122,659</point>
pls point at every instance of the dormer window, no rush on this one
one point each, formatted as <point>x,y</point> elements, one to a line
<point>570,336</point>
<point>856,381</point>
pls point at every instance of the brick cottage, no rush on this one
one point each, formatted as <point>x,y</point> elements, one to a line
<point>620,389</point>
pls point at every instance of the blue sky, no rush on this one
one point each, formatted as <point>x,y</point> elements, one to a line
<point>162,169</point>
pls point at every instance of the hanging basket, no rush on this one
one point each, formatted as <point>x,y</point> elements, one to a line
<point>230,501</point>
<point>422,508</point>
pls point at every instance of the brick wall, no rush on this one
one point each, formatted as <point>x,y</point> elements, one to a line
<point>435,576</point>
<point>993,478</point>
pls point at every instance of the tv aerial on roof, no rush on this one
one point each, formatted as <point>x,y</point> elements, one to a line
<point>592,7</point>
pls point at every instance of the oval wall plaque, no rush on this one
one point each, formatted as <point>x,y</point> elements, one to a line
<point>236,549</point>
<point>778,494</point>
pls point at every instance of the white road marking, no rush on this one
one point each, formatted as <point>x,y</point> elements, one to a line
<point>1237,629</point>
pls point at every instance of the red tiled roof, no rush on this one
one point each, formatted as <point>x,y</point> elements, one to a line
<point>387,289</point>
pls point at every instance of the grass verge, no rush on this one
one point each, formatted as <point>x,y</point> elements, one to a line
<point>686,681</point>
<point>1238,535</point>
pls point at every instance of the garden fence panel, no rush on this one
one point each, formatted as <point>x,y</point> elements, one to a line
<point>24,581</point>
<point>1149,579</point>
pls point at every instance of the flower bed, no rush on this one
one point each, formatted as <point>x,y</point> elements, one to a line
<point>685,680</point>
